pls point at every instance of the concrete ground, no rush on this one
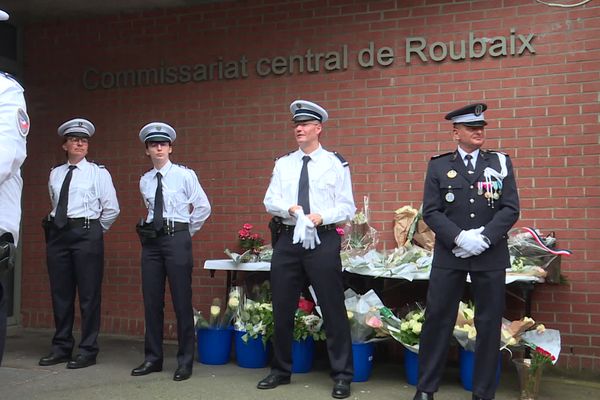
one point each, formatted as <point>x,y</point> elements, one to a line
<point>21,378</point>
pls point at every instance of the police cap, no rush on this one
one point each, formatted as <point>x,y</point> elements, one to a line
<point>157,132</point>
<point>79,127</point>
<point>304,110</point>
<point>471,115</point>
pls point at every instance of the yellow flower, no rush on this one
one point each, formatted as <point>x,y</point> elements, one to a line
<point>234,302</point>
<point>215,311</point>
<point>540,328</point>
<point>417,328</point>
<point>349,314</point>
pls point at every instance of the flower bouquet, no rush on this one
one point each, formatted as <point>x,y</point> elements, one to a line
<point>543,346</point>
<point>359,236</point>
<point>403,262</point>
<point>534,255</point>
<point>306,323</point>
<point>255,320</point>
<point>464,328</point>
<point>250,245</point>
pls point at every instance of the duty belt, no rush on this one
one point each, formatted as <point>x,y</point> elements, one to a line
<point>320,228</point>
<point>82,222</point>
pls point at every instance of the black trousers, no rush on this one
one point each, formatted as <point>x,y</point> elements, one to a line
<point>3,317</point>
<point>291,267</point>
<point>446,288</point>
<point>168,256</point>
<point>75,259</point>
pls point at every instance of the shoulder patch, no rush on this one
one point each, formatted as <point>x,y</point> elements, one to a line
<point>98,164</point>
<point>442,155</point>
<point>285,155</point>
<point>342,159</point>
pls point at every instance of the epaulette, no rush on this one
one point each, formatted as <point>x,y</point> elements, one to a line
<point>442,155</point>
<point>342,159</point>
<point>56,166</point>
<point>182,166</point>
<point>495,151</point>
<point>285,155</point>
<point>98,164</point>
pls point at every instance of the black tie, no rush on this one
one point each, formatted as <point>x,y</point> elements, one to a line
<point>60,218</point>
<point>158,204</point>
<point>303,199</point>
<point>470,167</point>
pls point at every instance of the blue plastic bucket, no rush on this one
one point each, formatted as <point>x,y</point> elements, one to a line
<point>363,361</point>
<point>303,353</point>
<point>411,367</point>
<point>467,365</point>
<point>250,354</point>
<point>214,345</point>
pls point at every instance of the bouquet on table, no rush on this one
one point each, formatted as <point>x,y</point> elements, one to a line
<point>255,317</point>
<point>251,246</point>
<point>359,236</point>
<point>306,323</point>
<point>402,262</point>
<point>220,317</point>
<point>532,254</point>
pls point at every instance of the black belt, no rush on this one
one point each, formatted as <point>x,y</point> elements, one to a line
<point>77,222</point>
<point>171,227</point>
<point>320,228</point>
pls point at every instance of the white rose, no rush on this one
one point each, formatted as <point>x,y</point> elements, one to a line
<point>234,302</point>
<point>215,310</point>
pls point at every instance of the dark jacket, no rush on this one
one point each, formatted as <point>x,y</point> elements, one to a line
<point>451,203</point>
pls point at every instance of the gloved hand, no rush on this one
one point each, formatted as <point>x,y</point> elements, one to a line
<point>461,253</point>
<point>312,238</point>
<point>300,228</point>
<point>471,241</point>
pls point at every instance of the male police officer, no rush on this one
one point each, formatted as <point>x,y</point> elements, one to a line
<point>311,191</point>
<point>84,206</point>
<point>470,201</point>
<point>14,127</point>
<point>177,209</point>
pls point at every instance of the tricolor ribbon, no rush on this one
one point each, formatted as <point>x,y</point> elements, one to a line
<point>539,241</point>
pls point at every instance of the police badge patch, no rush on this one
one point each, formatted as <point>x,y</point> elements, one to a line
<point>23,123</point>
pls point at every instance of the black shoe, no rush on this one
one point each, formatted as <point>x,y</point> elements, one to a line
<point>53,359</point>
<point>81,361</point>
<point>341,389</point>
<point>272,381</point>
<point>423,396</point>
<point>146,368</point>
<point>182,373</point>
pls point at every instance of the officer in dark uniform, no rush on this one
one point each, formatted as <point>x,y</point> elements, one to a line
<point>470,201</point>
<point>84,206</point>
<point>14,127</point>
<point>311,191</point>
<point>177,209</point>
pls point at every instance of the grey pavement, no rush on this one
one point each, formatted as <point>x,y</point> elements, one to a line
<point>22,378</point>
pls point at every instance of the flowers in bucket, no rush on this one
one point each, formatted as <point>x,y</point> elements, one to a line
<point>360,310</point>
<point>220,317</point>
<point>464,328</point>
<point>255,317</point>
<point>307,324</point>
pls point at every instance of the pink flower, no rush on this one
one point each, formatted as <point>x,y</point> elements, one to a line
<point>243,233</point>
<point>247,227</point>
<point>305,305</point>
<point>374,322</point>
<point>340,231</point>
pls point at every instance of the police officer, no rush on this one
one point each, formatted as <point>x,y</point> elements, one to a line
<point>470,201</point>
<point>311,191</point>
<point>14,127</point>
<point>84,206</point>
<point>177,209</point>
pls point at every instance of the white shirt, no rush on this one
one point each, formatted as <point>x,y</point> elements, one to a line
<point>330,187</point>
<point>12,154</point>
<point>92,194</point>
<point>181,190</point>
<point>474,154</point>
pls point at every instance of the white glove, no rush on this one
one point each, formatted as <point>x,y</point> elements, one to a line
<point>300,229</point>
<point>461,253</point>
<point>312,238</point>
<point>472,241</point>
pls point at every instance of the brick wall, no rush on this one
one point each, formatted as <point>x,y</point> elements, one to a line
<point>386,120</point>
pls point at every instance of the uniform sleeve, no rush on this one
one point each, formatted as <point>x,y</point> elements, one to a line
<point>199,201</point>
<point>508,208</point>
<point>107,197</point>
<point>445,230</point>
<point>274,201</point>
<point>344,207</point>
